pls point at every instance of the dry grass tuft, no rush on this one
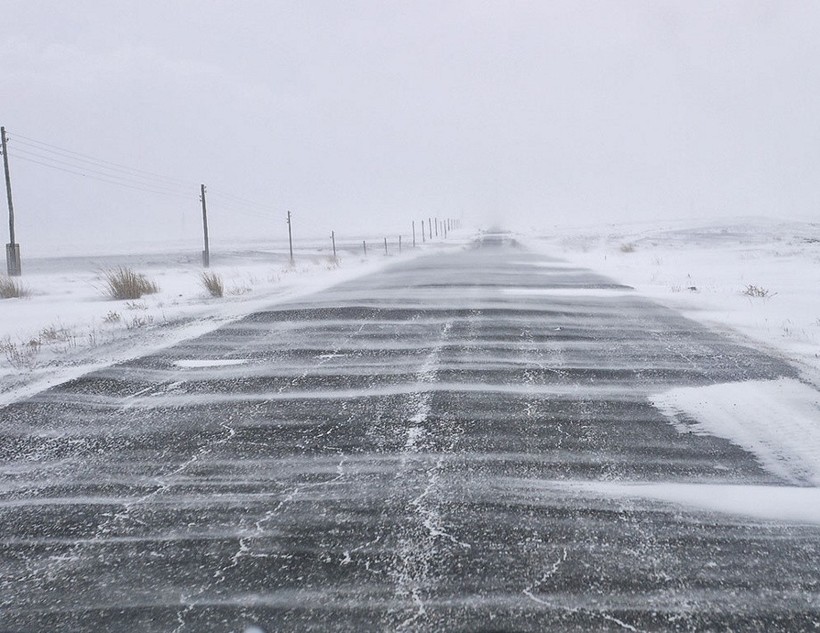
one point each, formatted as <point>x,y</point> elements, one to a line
<point>11,289</point>
<point>213,283</point>
<point>124,283</point>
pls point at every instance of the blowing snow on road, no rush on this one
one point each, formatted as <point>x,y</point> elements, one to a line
<point>477,439</point>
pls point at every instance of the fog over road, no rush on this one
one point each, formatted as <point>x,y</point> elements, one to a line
<point>429,448</point>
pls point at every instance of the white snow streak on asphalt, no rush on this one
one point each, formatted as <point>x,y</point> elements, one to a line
<point>776,420</point>
<point>611,392</point>
<point>620,623</point>
<point>550,264</point>
<point>764,503</point>
<point>196,363</point>
<point>568,292</point>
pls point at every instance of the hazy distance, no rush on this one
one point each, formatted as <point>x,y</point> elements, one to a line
<point>361,116</point>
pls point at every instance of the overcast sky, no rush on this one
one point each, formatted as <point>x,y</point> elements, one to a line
<point>357,114</point>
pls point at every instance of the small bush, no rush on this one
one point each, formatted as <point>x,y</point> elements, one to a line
<point>240,290</point>
<point>138,322</point>
<point>20,355</point>
<point>213,284</point>
<point>112,317</point>
<point>124,283</point>
<point>54,334</point>
<point>11,289</point>
<point>627,248</point>
<point>757,291</point>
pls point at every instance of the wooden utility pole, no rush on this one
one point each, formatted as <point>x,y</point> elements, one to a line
<point>12,248</point>
<point>206,254</point>
<point>290,239</point>
<point>333,240</point>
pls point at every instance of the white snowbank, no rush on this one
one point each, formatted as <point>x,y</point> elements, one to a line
<point>776,420</point>
<point>768,503</point>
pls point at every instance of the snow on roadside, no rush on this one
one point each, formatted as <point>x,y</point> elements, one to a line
<point>778,421</point>
<point>755,280</point>
<point>66,326</point>
<point>765,503</point>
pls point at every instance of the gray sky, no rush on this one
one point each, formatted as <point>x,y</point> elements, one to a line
<point>356,114</point>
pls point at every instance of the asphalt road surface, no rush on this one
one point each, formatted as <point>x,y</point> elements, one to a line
<point>417,450</point>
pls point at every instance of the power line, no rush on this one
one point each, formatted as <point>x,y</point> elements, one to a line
<point>242,210</point>
<point>56,149</point>
<point>251,214</point>
<point>72,162</point>
<point>242,201</point>
<point>84,169</point>
<point>110,182</point>
<point>81,163</point>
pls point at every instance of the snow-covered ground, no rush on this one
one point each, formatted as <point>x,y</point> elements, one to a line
<point>66,325</point>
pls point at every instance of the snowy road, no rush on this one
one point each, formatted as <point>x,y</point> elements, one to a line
<point>464,442</point>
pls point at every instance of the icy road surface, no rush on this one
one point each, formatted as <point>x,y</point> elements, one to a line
<point>469,441</point>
